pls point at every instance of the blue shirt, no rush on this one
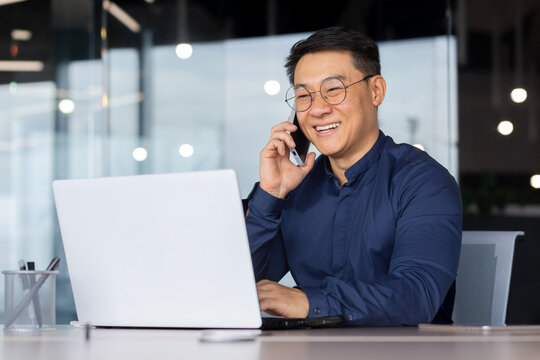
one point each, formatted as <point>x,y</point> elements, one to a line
<point>383,249</point>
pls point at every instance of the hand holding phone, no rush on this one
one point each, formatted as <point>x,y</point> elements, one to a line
<point>301,141</point>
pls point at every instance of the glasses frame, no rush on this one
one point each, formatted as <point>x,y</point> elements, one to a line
<point>312,93</point>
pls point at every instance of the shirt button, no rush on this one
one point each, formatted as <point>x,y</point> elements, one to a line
<point>349,317</point>
<point>317,311</point>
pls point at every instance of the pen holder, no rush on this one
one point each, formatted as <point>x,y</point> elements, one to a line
<point>29,300</point>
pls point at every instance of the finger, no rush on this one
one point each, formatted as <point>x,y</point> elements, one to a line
<point>266,292</point>
<point>266,305</point>
<point>271,307</point>
<point>266,284</point>
<point>271,312</point>
<point>285,137</point>
<point>284,126</point>
<point>309,163</point>
<point>276,145</point>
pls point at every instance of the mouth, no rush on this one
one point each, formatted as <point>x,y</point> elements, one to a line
<point>327,129</point>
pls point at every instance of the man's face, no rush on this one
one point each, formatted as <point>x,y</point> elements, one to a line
<point>340,131</point>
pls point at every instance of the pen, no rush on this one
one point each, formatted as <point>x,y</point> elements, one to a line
<point>31,293</point>
<point>24,279</point>
<point>26,284</point>
<point>35,301</point>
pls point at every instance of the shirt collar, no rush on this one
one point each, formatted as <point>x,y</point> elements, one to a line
<point>355,171</point>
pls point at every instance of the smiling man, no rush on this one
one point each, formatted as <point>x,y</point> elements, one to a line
<point>370,230</point>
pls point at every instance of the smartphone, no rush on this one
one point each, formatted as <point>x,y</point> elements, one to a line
<point>301,141</point>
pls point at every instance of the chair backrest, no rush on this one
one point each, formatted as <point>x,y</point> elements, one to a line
<point>483,277</point>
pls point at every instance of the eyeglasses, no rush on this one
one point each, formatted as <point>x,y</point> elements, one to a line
<point>332,90</point>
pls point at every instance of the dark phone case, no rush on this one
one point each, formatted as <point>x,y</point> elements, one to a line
<point>301,141</point>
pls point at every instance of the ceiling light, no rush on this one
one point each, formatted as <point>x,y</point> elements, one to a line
<point>505,127</point>
<point>122,16</point>
<point>66,106</point>
<point>518,95</point>
<point>21,35</point>
<point>186,150</point>
<point>139,154</point>
<point>535,181</point>
<point>17,65</point>
<point>7,2</point>
<point>271,87</point>
<point>184,51</point>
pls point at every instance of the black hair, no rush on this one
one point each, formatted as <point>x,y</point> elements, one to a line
<point>364,50</point>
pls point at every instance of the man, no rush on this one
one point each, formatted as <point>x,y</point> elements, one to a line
<point>371,230</point>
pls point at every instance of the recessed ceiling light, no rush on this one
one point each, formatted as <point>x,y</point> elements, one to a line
<point>505,127</point>
<point>184,51</point>
<point>272,87</point>
<point>518,95</point>
<point>535,181</point>
<point>21,35</point>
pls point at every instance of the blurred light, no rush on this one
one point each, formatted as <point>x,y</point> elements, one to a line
<point>14,50</point>
<point>13,87</point>
<point>150,1</point>
<point>14,65</point>
<point>66,106</point>
<point>535,181</point>
<point>104,100</point>
<point>184,51</point>
<point>103,33</point>
<point>419,146</point>
<point>518,95</point>
<point>122,16</point>
<point>21,35</point>
<point>271,87</point>
<point>186,150</point>
<point>139,154</point>
<point>505,127</point>
<point>7,2</point>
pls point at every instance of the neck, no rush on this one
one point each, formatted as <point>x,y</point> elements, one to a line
<point>340,165</point>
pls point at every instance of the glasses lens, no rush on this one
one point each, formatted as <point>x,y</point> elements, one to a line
<point>301,96</point>
<point>290,98</point>
<point>333,91</point>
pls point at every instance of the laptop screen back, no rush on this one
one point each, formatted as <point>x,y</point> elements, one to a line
<point>158,250</point>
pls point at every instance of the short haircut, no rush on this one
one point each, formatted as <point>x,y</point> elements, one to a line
<point>364,50</point>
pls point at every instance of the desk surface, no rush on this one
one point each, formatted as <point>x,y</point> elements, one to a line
<point>333,344</point>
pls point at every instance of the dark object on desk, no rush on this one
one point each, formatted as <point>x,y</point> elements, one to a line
<point>279,323</point>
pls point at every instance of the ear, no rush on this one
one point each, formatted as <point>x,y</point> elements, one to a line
<point>378,89</point>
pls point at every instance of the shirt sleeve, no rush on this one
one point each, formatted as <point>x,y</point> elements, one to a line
<point>263,227</point>
<point>423,264</point>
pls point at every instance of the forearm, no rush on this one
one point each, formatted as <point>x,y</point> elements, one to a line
<point>263,227</point>
<point>403,298</point>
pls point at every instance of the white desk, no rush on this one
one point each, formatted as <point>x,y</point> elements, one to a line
<point>328,344</point>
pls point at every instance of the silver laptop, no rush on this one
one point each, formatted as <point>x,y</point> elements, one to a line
<point>158,251</point>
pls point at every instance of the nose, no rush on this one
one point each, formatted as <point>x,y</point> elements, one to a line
<point>319,107</point>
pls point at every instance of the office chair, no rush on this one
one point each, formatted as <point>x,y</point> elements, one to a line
<point>483,277</point>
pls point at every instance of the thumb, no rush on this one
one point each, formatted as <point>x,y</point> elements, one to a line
<point>310,161</point>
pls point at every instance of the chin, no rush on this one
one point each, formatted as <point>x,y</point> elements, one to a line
<point>327,152</point>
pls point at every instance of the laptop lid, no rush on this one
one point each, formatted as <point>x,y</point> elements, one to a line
<point>165,250</point>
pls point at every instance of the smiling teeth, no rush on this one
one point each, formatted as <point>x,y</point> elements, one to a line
<point>327,127</point>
